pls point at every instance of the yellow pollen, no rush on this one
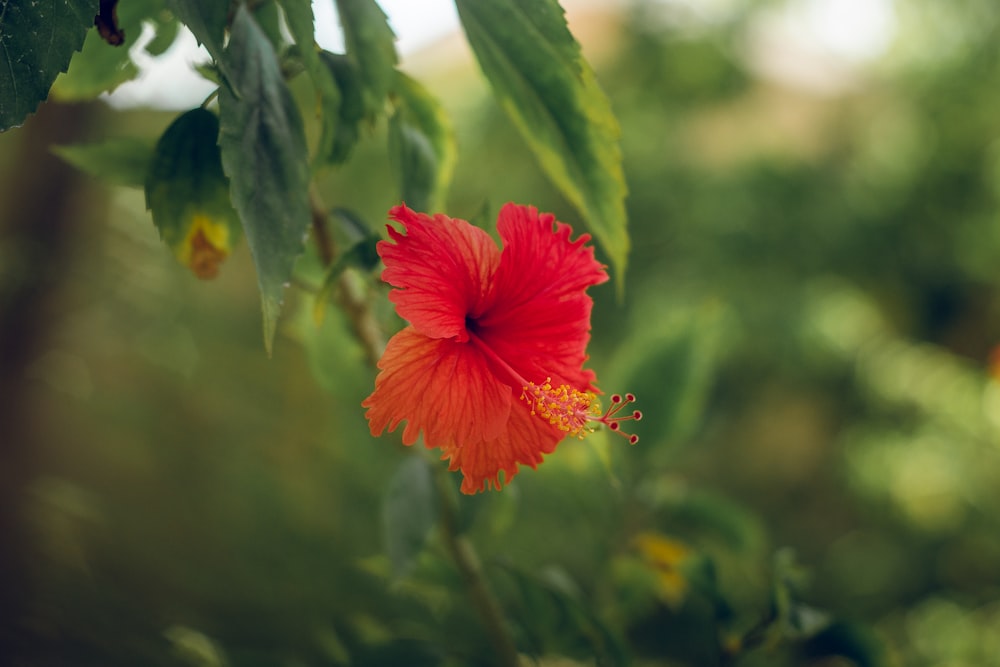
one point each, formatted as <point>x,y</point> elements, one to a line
<point>568,409</point>
<point>574,412</point>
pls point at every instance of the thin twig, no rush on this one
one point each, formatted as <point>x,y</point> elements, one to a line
<point>352,295</point>
<point>464,555</point>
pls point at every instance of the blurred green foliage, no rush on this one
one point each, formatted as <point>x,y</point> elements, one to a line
<point>812,301</point>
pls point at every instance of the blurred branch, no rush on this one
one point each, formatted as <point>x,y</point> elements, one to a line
<point>467,561</point>
<point>351,294</point>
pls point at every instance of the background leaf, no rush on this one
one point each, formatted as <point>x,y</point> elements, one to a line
<point>371,44</point>
<point>421,146</point>
<point>100,67</point>
<point>350,112</point>
<point>409,512</point>
<point>207,20</point>
<point>122,161</point>
<point>38,39</point>
<point>539,76</point>
<point>264,154</point>
<point>300,19</point>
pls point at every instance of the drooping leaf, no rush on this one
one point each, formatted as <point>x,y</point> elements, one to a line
<point>100,67</point>
<point>206,19</point>
<point>37,40</point>
<point>264,154</point>
<point>300,19</point>
<point>350,111</point>
<point>123,161</point>
<point>371,45</point>
<point>409,512</point>
<point>188,194</point>
<point>541,79</point>
<point>421,146</point>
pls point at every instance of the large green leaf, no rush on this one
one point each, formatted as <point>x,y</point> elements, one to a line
<point>543,82</point>
<point>421,146</point>
<point>188,194</point>
<point>372,45</point>
<point>37,40</point>
<point>299,16</point>
<point>264,154</point>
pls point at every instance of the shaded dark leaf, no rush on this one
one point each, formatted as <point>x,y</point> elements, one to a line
<point>38,40</point>
<point>264,154</point>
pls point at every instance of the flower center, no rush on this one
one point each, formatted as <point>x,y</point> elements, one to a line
<point>574,412</point>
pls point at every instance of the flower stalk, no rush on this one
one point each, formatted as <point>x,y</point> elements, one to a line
<point>463,553</point>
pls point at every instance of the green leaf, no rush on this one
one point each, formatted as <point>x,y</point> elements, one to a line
<point>670,367</point>
<point>371,44</point>
<point>553,620</point>
<point>100,67</point>
<point>351,110</point>
<point>264,154</point>
<point>37,40</point>
<point>409,512</point>
<point>206,19</point>
<point>299,16</point>
<point>421,146</point>
<point>188,194</point>
<point>123,161</point>
<point>541,79</point>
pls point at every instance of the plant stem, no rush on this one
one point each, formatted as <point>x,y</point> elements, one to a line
<point>351,296</point>
<point>468,564</point>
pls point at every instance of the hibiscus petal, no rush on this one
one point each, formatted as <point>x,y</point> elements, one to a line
<point>524,441</point>
<point>538,313</point>
<point>439,386</point>
<point>441,268</point>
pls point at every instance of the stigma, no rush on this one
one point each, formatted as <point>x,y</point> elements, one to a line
<point>577,412</point>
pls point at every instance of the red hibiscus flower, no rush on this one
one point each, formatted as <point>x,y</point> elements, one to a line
<point>490,368</point>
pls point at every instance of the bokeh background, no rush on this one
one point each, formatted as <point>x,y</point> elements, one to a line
<point>810,319</point>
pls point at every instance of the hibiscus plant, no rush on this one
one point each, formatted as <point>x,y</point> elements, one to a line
<point>490,367</point>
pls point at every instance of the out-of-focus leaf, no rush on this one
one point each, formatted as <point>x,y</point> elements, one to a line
<point>264,154</point>
<point>670,368</point>
<point>123,161</point>
<point>848,640</point>
<point>268,18</point>
<point>300,19</point>
<point>206,19</point>
<point>167,28</point>
<point>188,194</point>
<point>541,79</point>
<point>38,40</point>
<point>100,67</point>
<point>351,109</point>
<point>371,45</point>
<point>421,146</point>
<point>410,511</point>
<point>552,619</point>
<point>701,515</point>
